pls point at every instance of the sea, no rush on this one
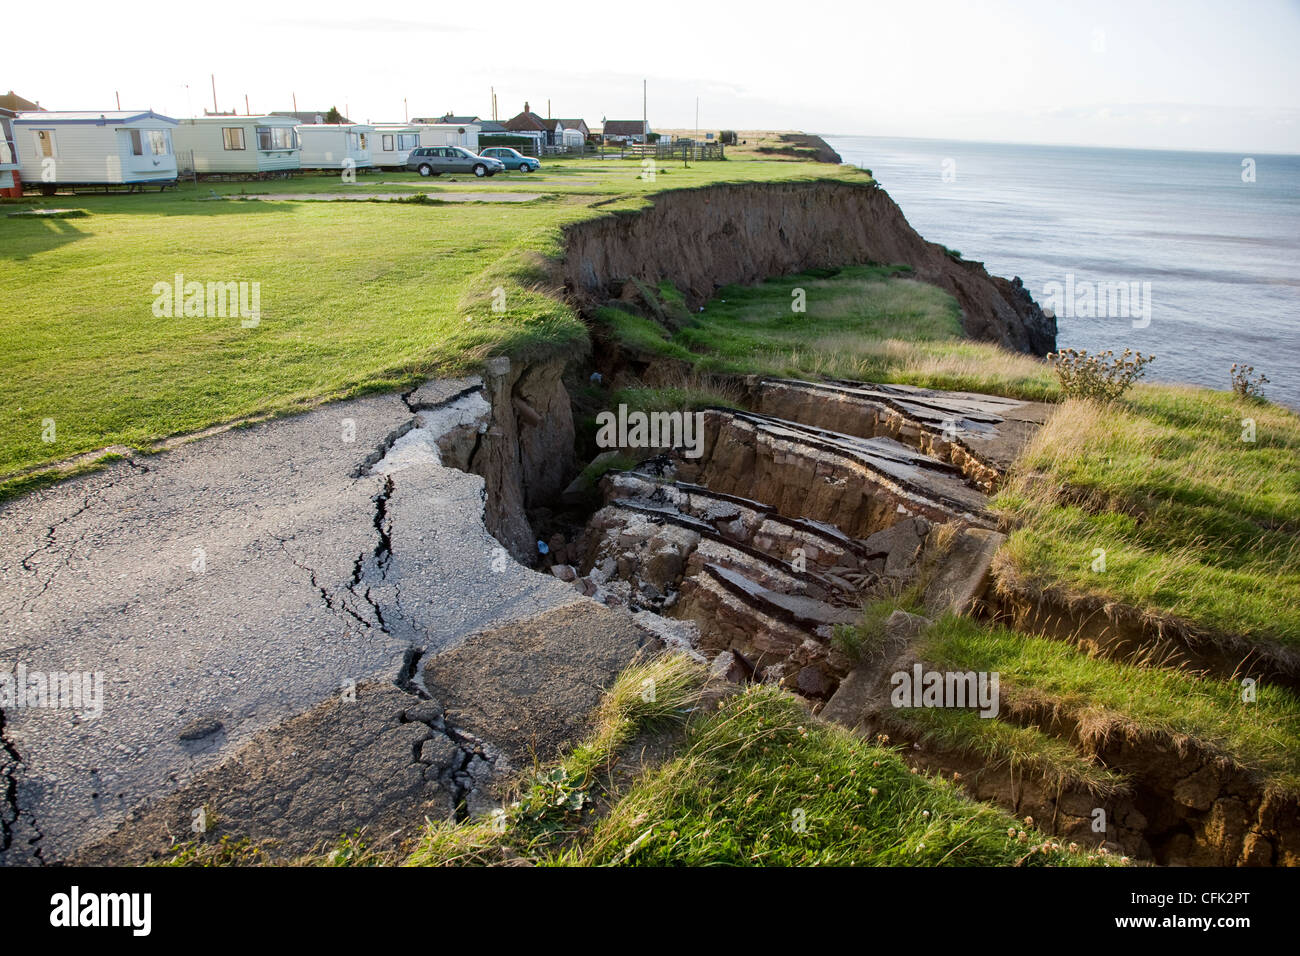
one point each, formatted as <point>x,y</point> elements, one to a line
<point>1191,256</point>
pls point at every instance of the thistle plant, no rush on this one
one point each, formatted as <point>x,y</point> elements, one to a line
<point>1246,383</point>
<point>1102,377</point>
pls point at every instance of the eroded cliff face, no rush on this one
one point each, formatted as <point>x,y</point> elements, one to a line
<point>522,446</point>
<point>702,239</point>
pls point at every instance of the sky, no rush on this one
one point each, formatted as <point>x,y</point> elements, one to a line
<point>1174,75</point>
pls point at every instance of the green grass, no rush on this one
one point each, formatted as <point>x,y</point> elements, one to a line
<point>869,323</point>
<point>355,296</point>
<point>755,782</point>
<point>1196,524</point>
<point>761,783</point>
<point>1104,696</point>
<point>637,333</point>
<point>998,743</point>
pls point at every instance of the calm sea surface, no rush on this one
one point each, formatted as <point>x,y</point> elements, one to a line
<point>1219,255</point>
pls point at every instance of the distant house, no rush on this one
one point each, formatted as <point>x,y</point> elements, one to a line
<point>547,132</point>
<point>14,103</point>
<point>91,148</point>
<point>579,125</point>
<point>524,122</point>
<point>625,131</point>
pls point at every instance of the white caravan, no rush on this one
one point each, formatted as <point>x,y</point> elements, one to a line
<point>392,143</point>
<point>336,146</point>
<point>113,148</point>
<point>252,146</point>
<point>449,134</point>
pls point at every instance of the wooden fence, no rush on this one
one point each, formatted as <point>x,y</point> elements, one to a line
<point>683,149</point>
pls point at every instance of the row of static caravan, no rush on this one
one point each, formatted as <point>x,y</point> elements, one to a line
<point>135,148</point>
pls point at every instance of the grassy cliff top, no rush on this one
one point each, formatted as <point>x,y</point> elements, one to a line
<point>354,296</point>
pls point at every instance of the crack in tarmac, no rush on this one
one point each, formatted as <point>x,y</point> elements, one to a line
<point>50,533</point>
<point>361,599</point>
<point>9,818</point>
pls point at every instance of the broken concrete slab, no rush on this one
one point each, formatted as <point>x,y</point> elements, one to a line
<point>860,485</point>
<point>358,762</point>
<point>849,702</point>
<point>439,391</point>
<point>529,688</point>
<point>980,433</point>
<point>962,576</point>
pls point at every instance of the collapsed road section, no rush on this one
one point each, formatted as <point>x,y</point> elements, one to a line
<point>230,584</point>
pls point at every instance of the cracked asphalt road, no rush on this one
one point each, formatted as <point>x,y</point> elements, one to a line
<point>313,573</point>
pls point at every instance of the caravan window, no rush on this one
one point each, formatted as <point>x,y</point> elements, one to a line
<point>160,142</point>
<point>277,137</point>
<point>44,141</point>
<point>363,140</point>
<point>408,140</point>
<point>137,147</point>
<point>388,143</point>
<point>232,137</point>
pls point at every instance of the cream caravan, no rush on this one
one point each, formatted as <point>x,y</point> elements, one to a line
<point>117,148</point>
<point>336,146</point>
<point>252,146</point>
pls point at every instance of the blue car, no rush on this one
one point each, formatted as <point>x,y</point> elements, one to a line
<point>512,159</point>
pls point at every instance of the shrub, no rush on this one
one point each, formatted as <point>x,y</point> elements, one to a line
<point>1102,377</point>
<point>1246,383</point>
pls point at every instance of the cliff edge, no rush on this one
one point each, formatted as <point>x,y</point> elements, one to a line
<point>703,239</point>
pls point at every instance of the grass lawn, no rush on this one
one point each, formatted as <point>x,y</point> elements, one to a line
<point>868,323</point>
<point>1196,523</point>
<point>355,296</point>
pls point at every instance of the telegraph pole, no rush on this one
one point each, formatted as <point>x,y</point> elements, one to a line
<point>214,92</point>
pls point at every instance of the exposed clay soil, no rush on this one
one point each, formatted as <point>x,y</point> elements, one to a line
<point>702,239</point>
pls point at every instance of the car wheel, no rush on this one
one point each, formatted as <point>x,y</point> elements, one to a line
<point>480,170</point>
<point>525,168</point>
<point>425,169</point>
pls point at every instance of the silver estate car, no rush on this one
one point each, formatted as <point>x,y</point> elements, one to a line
<point>436,160</point>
